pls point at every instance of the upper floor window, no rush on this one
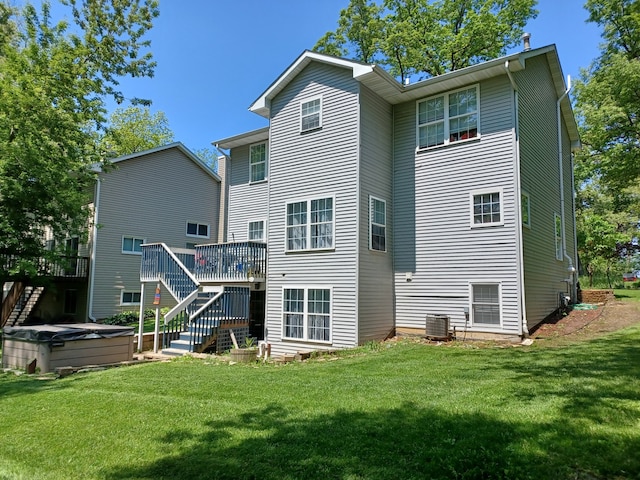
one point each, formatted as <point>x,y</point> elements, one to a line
<point>377,224</point>
<point>310,224</point>
<point>132,245</point>
<point>311,114</point>
<point>448,118</point>
<point>256,231</point>
<point>486,208</point>
<point>258,162</point>
<point>557,220</point>
<point>197,230</point>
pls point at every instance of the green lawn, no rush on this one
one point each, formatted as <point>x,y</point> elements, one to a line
<point>627,294</point>
<point>396,411</point>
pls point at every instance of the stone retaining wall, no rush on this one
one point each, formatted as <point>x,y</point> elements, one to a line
<point>597,296</point>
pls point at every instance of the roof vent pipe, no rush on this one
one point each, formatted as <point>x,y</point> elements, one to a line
<point>526,38</point>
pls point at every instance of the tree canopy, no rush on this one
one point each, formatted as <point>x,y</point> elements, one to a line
<point>134,129</point>
<point>426,37</point>
<point>54,79</point>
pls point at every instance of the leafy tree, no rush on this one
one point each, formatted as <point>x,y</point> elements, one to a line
<point>426,37</point>
<point>54,79</point>
<point>209,157</point>
<point>134,129</point>
<point>608,98</point>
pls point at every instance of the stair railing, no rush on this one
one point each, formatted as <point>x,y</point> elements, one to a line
<point>230,306</point>
<point>160,263</point>
<point>12,299</point>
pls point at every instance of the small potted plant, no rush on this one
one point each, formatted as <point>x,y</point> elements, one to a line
<point>247,353</point>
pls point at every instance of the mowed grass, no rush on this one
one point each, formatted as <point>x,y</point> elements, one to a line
<point>627,294</point>
<point>401,410</point>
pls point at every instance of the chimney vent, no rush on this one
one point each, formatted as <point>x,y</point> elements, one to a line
<point>526,38</point>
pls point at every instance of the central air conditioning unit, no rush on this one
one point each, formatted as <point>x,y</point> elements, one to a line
<point>437,326</point>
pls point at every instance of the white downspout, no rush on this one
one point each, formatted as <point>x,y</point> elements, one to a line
<point>518,194</point>
<point>92,258</point>
<point>571,269</point>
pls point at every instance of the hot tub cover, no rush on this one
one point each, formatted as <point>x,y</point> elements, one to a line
<point>65,332</point>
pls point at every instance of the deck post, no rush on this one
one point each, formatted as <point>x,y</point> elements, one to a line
<point>141,319</point>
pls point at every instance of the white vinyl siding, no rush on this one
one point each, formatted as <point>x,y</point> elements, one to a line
<point>485,304</point>
<point>132,245</point>
<point>256,231</point>
<point>378,224</point>
<point>258,162</point>
<point>448,118</point>
<point>306,314</point>
<point>311,114</point>
<point>200,230</point>
<point>557,227</point>
<point>310,225</point>
<point>486,208</point>
<point>130,298</point>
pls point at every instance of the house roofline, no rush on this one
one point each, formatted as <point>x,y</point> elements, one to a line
<point>179,145</point>
<point>259,135</point>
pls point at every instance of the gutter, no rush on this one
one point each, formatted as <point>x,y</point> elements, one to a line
<point>92,258</point>
<point>571,269</point>
<point>518,202</point>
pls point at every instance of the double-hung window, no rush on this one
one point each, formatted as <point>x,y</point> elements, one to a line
<point>485,304</point>
<point>197,230</point>
<point>258,162</point>
<point>557,224</point>
<point>448,118</point>
<point>306,314</point>
<point>256,231</point>
<point>486,208</point>
<point>310,224</point>
<point>377,224</point>
<point>132,245</point>
<point>311,114</point>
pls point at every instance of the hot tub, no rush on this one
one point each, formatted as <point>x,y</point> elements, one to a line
<point>47,347</point>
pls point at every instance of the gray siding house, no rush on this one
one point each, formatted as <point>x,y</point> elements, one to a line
<point>382,204</point>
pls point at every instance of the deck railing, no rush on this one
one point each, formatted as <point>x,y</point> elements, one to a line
<point>68,266</point>
<point>160,263</point>
<point>242,261</point>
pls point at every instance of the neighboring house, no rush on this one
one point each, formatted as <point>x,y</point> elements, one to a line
<point>382,204</point>
<point>164,194</point>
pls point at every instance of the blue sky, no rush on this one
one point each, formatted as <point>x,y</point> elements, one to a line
<point>215,57</point>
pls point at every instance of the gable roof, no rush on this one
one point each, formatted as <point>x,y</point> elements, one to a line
<point>382,83</point>
<point>177,145</point>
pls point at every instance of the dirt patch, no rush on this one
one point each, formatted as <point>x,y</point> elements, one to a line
<point>586,324</point>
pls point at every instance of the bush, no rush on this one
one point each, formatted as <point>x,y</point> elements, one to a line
<point>131,317</point>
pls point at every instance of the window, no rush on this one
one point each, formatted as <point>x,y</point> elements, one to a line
<point>486,208</point>
<point>448,118</point>
<point>526,209</point>
<point>256,231</point>
<point>311,115</point>
<point>132,245</point>
<point>377,224</point>
<point>485,304</point>
<point>130,298</point>
<point>558,235</point>
<point>197,230</point>
<point>310,225</point>
<point>258,162</point>
<point>307,314</point>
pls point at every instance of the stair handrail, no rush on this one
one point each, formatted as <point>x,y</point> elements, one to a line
<point>9,303</point>
<point>171,314</point>
<point>162,272</point>
<point>206,305</point>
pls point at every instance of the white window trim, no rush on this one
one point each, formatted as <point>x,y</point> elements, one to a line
<point>307,100</point>
<point>445,95</point>
<point>485,191</point>
<point>134,238</point>
<point>305,314</point>
<point>186,229</point>
<point>528,197</point>
<point>266,162</point>
<point>308,200</point>
<point>486,326</point>
<point>558,241</point>
<point>371,223</point>
<point>122,302</point>
<point>264,229</point>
